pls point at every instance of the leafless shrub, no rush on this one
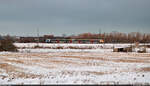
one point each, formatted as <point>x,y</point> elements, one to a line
<point>7,44</point>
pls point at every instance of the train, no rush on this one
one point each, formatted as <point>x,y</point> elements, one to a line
<point>83,41</point>
<point>59,40</point>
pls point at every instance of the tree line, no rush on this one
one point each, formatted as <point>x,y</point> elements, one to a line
<point>112,37</point>
<point>117,37</point>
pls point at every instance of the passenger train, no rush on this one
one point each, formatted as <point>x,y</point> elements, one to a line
<point>85,41</point>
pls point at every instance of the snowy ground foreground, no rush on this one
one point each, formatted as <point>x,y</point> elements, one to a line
<point>74,68</point>
<point>67,46</point>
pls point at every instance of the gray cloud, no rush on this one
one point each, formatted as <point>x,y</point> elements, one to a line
<point>22,17</point>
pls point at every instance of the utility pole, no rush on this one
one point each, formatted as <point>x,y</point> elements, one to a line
<point>38,36</point>
<point>99,33</point>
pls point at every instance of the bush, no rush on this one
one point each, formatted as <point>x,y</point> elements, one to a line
<point>6,44</point>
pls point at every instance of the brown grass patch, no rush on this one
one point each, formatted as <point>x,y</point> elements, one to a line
<point>64,62</point>
<point>96,73</point>
<point>131,61</point>
<point>14,72</point>
<point>7,67</point>
<point>90,58</point>
<point>24,75</point>
<point>46,66</point>
<point>14,61</point>
<point>145,69</point>
<point>109,59</point>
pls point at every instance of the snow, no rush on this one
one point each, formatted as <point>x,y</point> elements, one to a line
<point>75,68</point>
<point>99,65</point>
<point>65,50</point>
<point>123,78</point>
<point>47,45</point>
<point>4,52</point>
<point>148,50</point>
<point>78,45</point>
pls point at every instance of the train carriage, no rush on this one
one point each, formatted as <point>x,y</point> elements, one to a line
<point>81,41</point>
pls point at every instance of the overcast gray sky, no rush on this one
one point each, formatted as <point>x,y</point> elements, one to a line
<point>23,17</point>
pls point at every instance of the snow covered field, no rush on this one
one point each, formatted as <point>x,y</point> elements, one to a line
<point>46,47</point>
<point>73,64</point>
<point>74,68</point>
<point>68,46</point>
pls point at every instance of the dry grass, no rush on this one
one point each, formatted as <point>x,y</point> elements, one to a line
<point>15,72</point>
<point>136,60</point>
<point>145,69</point>
<point>15,61</point>
<point>96,73</point>
<point>7,67</point>
<point>87,58</point>
<point>131,61</point>
<point>57,60</point>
